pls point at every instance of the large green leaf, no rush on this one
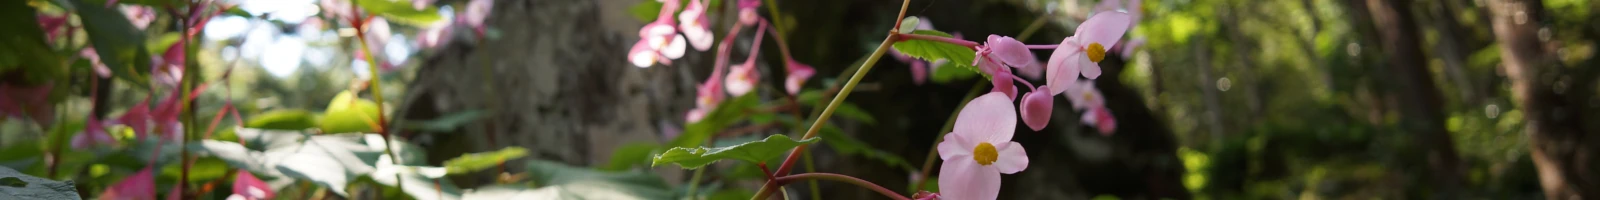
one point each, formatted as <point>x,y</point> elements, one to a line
<point>346,113</point>
<point>401,11</point>
<point>472,162</point>
<point>289,119</point>
<point>331,161</point>
<point>957,55</point>
<point>419,182</point>
<point>757,151</point>
<point>23,45</point>
<point>629,155</point>
<point>22,186</point>
<point>119,44</point>
<point>561,181</point>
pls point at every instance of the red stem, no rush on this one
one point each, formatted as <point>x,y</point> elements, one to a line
<point>935,38</point>
<point>766,171</point>
<point>843,178</point>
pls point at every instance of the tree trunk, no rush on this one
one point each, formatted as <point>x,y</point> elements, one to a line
<point>556,82</point>
<point>1418,99</point>
<point>1562,149</point>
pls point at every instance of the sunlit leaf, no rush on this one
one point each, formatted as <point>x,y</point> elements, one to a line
<point>561,181</point>
<point>757,151</point>
<point>959,56</point>
<point>346,113</point>
<point>472,162</point>
<point>400,11</point>
<point>289,119</point>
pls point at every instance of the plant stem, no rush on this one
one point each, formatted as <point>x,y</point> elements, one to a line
<point>694,182</point>
<point>816,192</point>
<point>187,82</point>
<point>935,38</point>
<point>377,95</point>
<point>846,179</point>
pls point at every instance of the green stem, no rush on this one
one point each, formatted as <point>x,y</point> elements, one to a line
<point>843,178</point>
<point>377,96</point>
<point>187,82</point>
<point>694,182</point>
<point>816,192</point>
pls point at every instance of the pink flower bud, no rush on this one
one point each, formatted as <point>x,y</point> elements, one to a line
<point>1036,108</point>
<point>1002,84</point>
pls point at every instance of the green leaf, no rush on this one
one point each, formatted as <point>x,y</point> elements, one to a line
<point>400,11</point>
<point>13,182</point>
<point>949,72</point>
<point>561,181</point>
<point>346,113</point>
<point>448,122</point>
<point>290,119</point>
<point>957,55</point>
<point>645,11</point>
<point>479,161</point>
<point>625,157</point>
<point>732,194</point>
<point>25,47</point>
<point>757,151</point>
<point>33,187</point>
<point>725,114</point>
<point>203,170</point>
<point>331,161</point>
<point>119,43</point>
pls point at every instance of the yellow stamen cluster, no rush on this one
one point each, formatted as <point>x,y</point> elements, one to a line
<point>985,154</point>
<point>1096,52</point>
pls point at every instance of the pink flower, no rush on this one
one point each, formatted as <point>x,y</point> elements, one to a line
<point>141,185</point>
<point>979,149</point>
<point>94,59</point>
<point>421,4</point>
<point>93,134</point>
<point>435,36</point>
<point>1083,51</point>
<point>1000,51</point>
<point>1084,95</point>
<point>248,187</point>
<point>1036,108</point>
<point>747,12</point>
<point>693,22</point>
<point>742,79</point>
<point>140,16</point>
<point>169,67</point>
<point>798,73</point>
<point>1101,119</point>
<point>52,25</point>
<point>1002,84</point>
<point>707,96</point>
<point>477,12</point>
<point>659,42</point>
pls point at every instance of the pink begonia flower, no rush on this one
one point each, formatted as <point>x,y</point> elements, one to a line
<point>336,9</point>
<point>798,74</point>
<point>169,67</point>
<point>93,134</point>
<point>53,26</point>
<point>659,42</point>
<point>1036,108</point>
<point>32,102</point>
<point>1100,118</point>
<point>139,186</point>
<point>1132,8</point>
<point>742,79</point>
<point>1002,84</point>
<point>1082,52</point>
<point>165,118</point>
<point>140,16</point>
<point>435,35</point>
<point>979,149</point>
<point>1084,95</point>
<point>1000,51</point>
<point>747,12</point>
<point>693,23</point>
<point>248,187</point>
<point>476,12</point>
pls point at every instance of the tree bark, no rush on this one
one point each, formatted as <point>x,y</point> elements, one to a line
<point>1562,150</point>
<point>1417,97</point>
